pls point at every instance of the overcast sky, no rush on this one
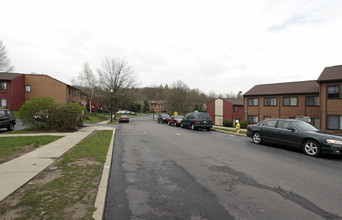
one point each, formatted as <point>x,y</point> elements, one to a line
<point>221,46</point>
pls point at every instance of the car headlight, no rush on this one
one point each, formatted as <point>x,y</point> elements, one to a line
<point>330,141</point>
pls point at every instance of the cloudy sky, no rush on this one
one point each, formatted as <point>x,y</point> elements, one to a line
<point>222,46</point>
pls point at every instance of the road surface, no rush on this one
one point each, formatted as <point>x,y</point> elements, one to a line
<point>165,172</point>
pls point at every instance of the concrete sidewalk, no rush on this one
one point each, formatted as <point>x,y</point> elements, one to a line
<point>17,172</point>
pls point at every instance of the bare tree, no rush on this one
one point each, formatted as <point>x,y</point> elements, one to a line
<point>88,82</point>
<point>115,74</point>
<point>177,98</point>
<point>5,64</point>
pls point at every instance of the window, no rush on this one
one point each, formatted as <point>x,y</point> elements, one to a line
<point>253,101</point>
<point>290,101</point>
<point>335,91</point>
<point>270,101</point>
<point>312,100</point>
<point>4,87</point>
<point>3,103</point>
<point>235,108</point>
<point>335,122</point>
<point>284,125</point>
<point>270,123</point>
<point>252,119</point>
<point>27,88</point>
<point>315,122</point>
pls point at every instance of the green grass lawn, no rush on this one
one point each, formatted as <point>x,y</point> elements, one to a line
<point>72,192</point>
<point>96,118</point>
<point>10,146</point>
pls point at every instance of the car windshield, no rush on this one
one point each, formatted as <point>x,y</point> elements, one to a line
<point>303,126</point>
<point>204,116</point>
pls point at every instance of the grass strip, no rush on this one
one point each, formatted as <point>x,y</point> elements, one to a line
<point>10,146</point>
<point>72,193</point>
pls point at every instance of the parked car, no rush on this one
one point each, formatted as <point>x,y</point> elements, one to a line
<point>163,118</point>
<point>7,119</point>
<point>195,120</point>
<point>297,133</point>
<point>176,120</point>
<point>123,118</point>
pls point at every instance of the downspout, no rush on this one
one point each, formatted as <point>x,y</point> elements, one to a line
<point>11,95</point>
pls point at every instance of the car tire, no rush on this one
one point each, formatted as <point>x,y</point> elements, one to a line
<point>182,126</point>
<point>193,127</point>
<point>257,139</point>
<point>208,129</point>
<point>10,127</point>
<point>311,148</point>
<point>169,123</point>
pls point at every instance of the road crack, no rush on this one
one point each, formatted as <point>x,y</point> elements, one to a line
<point>243,178</point>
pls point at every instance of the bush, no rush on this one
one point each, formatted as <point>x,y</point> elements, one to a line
<point>227,123</point>
<point>35,112</point>
<point>67,117</point>
<point>243,124</point>
<point>44,113</point>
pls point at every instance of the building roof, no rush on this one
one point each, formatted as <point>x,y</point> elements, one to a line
<point>233,101</point>
<point>331,73</point>
<point>300,87</point>
<point>9,76</point>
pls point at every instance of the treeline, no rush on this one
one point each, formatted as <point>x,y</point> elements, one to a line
<point>176,97</point>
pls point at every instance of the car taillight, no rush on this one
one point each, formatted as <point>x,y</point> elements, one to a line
<point>196,121</point>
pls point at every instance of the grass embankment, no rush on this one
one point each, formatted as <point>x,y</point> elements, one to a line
<point>12,147</point>
<point>71,191</point>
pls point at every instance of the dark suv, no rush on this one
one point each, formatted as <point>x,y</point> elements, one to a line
<point>163,118</point>
<point>7,119</point>
<point>195,120</point>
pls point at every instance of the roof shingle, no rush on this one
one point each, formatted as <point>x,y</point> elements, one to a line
<point>300,87</point>
<point>331,73</point>
<point>9,76</point>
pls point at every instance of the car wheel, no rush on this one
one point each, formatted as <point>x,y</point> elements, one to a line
<point>182,126</point>
<point>311,148</point>
<point>193,127</point>
<point>10,127</point>
<point>158,121</point>
<point>208,129</point>
<point>257,139</point>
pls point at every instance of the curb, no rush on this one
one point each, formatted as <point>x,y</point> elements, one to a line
<point>228,132</point>
<point>102,191</point>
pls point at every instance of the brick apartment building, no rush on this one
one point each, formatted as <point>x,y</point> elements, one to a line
<point>157,106</point>
<point>43,85</point>
<point>12,94</point>
<point>320,99</point>
<point>330,83</point>
<point>222,109</point>
<point>17,88</point>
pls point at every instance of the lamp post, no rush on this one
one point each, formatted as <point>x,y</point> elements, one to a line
<point>111,107</point>
<point>153,109</point>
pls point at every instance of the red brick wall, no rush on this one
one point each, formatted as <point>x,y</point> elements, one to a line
<point>18,92</point>
<point>211,110</point>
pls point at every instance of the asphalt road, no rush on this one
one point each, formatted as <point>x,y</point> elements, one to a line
<point>18,126</point>
<point>163,172</point>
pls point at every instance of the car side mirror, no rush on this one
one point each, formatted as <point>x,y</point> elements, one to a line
<point>291,129</point>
